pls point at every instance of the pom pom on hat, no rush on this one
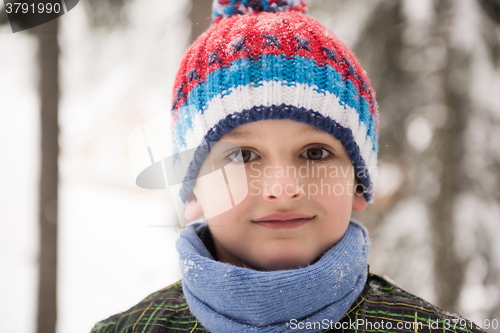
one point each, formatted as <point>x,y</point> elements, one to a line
<point>227,8</point>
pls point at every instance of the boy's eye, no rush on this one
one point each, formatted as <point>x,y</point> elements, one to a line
<point>242,156</point>
<point>316,153</point>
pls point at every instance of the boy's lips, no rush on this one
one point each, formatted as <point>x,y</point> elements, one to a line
<point>284,220</point>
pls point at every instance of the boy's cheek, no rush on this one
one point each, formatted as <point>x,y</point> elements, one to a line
<point>214,200</point>
<point>222,189</point>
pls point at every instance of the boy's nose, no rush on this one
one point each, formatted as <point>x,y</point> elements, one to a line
<point>282,188</point>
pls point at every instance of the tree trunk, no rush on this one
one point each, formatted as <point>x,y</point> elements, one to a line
<point>200,14</point>
<point>491,8</point>
<point>450,149</point>
<point>48,59</point>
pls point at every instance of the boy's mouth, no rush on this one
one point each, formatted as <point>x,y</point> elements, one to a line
<point>284,220</point>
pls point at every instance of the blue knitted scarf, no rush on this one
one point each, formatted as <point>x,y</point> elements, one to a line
<point>227,298</point>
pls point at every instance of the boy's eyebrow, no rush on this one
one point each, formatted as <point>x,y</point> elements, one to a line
<point>234,134</point>
<point>238,134</point>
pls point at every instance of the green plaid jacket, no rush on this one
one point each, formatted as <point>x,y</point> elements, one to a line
<point>381,307</point>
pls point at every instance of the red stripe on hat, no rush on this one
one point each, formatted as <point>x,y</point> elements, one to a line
<point>253,27</point>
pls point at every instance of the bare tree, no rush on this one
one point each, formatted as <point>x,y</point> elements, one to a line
<point>48,85</point>
<point>199,16</point>
<point>449,148</point>
<point>492,8</point>
<point>48,63</point>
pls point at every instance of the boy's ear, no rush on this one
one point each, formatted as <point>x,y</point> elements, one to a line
<point>193,210</point>
<point>359,203</point>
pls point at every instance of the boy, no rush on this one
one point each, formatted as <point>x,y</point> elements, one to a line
<point>269,91</point>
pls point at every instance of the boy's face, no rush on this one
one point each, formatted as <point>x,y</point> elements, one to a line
<point>300,196</point>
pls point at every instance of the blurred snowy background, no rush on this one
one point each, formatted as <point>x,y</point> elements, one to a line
<point>435,65</point>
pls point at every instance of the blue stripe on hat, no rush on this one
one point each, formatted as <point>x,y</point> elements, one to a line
<point>287,70</point>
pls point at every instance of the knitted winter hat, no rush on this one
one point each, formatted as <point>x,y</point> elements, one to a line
<point>268,59</point>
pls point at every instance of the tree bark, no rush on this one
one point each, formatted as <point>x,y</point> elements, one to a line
<point>379,50</point>
<point>200,14</point>
<point>449,147</point>
<point>48,60</point>
<point>492,8</point>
